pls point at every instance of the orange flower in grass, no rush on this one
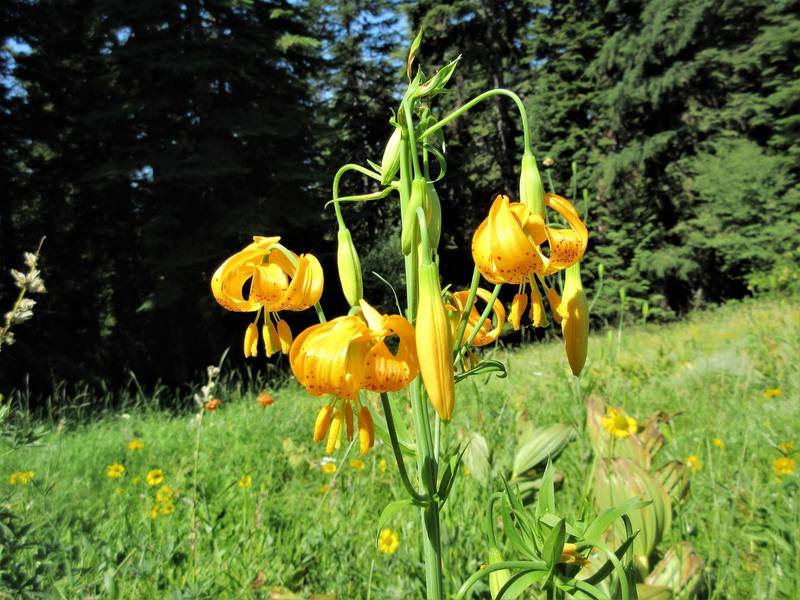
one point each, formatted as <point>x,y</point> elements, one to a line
<point>508,245</point>
<point>345,355</point>
<point>279,280</point>
<point>265,400</point>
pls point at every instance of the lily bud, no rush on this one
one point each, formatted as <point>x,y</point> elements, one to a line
<point>390,163</point>
<point>410,234</point>
<point>366,430</point>
<point>349,268</point>
<point>531,189</point>
<point>433,213</point>
<point>497,579</point>
<point>434,342</point>
<point>575,324</point>
<point>251,341</point>
<point>323,422</point>
<point>518,305</point>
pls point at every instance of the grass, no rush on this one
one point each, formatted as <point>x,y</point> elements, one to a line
<point>299,530</point>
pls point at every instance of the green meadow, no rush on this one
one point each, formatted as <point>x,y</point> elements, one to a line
<point>251,510</point>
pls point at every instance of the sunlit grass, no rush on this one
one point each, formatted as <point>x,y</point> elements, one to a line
<point>270,513</point>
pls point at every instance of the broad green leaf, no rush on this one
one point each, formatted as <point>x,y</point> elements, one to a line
<point>391,510</point>
<point>542,443</point>
<point>520,582</point>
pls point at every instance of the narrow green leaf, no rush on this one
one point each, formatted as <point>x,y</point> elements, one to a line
<point>520,582</point>
<point>391,510</point>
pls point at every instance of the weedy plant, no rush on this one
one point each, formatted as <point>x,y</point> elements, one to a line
<point>527,244</point>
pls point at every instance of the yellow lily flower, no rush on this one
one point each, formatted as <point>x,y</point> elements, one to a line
<point>507,246</point>
<point>279,280</point>
<point>486,334</point>
<point>348,354</point>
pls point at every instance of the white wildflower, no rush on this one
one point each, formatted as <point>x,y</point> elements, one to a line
<point>30,260</point>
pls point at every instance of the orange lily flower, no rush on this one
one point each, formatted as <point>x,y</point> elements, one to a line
<point>486,334</point>
<point>279,280</point>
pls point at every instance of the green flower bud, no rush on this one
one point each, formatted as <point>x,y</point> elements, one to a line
<point>601,270</point>
<point>531,189</point>
<point>410,234</point>
<point>349,268</point>
<point>433,213</point>
<point>390,163</point>
<point>497,579</point>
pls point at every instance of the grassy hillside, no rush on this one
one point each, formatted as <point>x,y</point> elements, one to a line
<point>298,526</point>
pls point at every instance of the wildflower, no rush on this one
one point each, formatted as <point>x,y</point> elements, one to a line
<point>618,424</point>
<point>786,447</point>
<point>548,162</point>
<point>388,541</point>
<point>164,494</point>
<point>328,468</point>
<point>772,393</point>
<point>154,511</point>
<point>264,400</point>
<point>279,280</point>
<point>507,246</point>
<point>166,508</point>
<point>154,477</point>
<point>382,465</point>
<point>246,481</point>
<point>135,444</point>
<point>784,466</point>
<point>347,354</point>
<point>693,463</point>
<point>357,464</point>
<point>115,471</point>
<point>718,443</point>
<point>457,303</point>
<point>21,477</point>
<point>213,404</point>
<point>570,555</point>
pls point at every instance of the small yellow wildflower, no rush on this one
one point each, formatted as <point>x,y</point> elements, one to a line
<point>382,465</point>
<point>246,481</point>
<point>357,464</point>
<point>693,463</point>
<point>718,443</point>
<point>155,477</point>
<point>115,471</point>
<point>786,447</point>
<point>784,466</point>
<point>618,424</point>
<point>388,541</point>
<point>772,393</point>
<point>166,508</point>
<point>164,494</point>
<point>328,468</point>
<point>154,511</point>
<point>135,444</point>
<point>20,477</point>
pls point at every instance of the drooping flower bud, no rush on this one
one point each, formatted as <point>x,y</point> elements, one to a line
<point>349,268</point>
<point>390,163</point>
<point>575,324</point>
<point>251,341</point>
<point>434,342</point>
<point>518,305</point>
<point>410,234</point>
<point>531,189</point>
<point>366,430</point>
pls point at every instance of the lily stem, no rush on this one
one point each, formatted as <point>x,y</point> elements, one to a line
<point>398,453</point>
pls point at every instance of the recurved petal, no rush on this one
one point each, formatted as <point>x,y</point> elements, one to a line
<point>567,246</point>
<point>305,289</point>
<point>227,281</point>
<point>269,285</point>
<point>482,252</point>
<point>513,254</point>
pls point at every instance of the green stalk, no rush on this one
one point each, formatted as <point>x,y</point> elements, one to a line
<point>526,136</point>
<point>426,460</point>
<point>484,315</point>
